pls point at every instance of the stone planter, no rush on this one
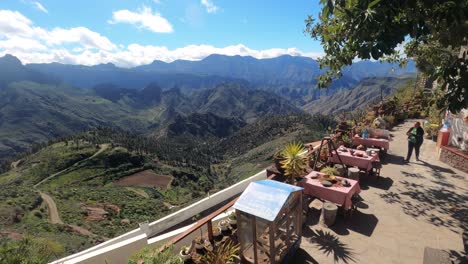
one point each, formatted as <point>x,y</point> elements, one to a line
<point>232,221</point>
<point>184,256</point>
<point>223,225</point>
<point>200,244</point>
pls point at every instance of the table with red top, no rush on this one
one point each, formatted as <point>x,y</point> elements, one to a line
<point>372,142</point>
<point>340,195</point>
<point>364,162</point>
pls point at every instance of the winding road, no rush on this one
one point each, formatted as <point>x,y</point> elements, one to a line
<point>54,217</point>
<point>102,148</point>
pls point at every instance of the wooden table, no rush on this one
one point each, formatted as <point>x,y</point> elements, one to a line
<point>372,142</point>
<point>364,162</point>
<point>339,195</point>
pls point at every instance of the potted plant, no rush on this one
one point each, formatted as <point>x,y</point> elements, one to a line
<point>217,234</point>
<point>428,131</point>
<point>330,171</point>
<point>226,253</point>
<point>199,242</point>
<point>346,140</point>
<point>278,157</point>
<point>223,225</point>
<point>232,218</point>
<point>185,253</point>
<point>295,161</point>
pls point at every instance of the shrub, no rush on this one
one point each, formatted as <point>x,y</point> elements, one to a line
<point>226,253</point>
<point>330,171</point>
<point>38,214</point>
<point>151,256</point>
<point>390,120</point>
<point>30,250</point>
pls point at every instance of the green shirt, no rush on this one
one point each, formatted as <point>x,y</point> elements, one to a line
<point>412,136</point>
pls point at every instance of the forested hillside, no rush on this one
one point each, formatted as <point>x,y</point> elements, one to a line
<point>33,113</point>
<point>106,180</point>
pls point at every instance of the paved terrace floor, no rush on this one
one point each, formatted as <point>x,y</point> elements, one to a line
<point>410,207</point>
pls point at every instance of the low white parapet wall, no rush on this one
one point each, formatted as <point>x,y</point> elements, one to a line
<point>123,246</point>
<point>115,254</point>
<point>107,244</point>
<point>202,205</point>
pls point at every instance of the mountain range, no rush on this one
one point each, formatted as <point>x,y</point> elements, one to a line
<point>280,70</point>
<point>39,102</point>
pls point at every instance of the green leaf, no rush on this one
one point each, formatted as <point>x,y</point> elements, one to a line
<point>373,3</point>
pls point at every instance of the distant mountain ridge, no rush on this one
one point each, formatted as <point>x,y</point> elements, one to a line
<point>282,69</point>
<point>32,112</point>
<point>40,101</point>
<point>367,91</point>
<point>291,77</point>
<point>11,69</point>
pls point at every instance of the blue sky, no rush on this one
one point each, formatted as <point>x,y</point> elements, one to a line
<point>130,32</point>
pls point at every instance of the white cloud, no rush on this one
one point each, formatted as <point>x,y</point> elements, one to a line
<point>13,23</point>
<point>20,44</point>
<point>210,7</point>
<point>14,26</point>
<point>40,7</point>
<point>136,54</point>
<point>82,35</point>
<point>144,18</point>
<point>80,45</point>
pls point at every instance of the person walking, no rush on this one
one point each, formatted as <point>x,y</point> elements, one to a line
<point>415,140</point>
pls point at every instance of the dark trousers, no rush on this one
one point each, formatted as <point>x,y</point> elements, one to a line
<point>416,147</point>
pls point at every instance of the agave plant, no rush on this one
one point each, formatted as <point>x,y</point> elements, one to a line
<point>295,161</point>
<point>226,253</point>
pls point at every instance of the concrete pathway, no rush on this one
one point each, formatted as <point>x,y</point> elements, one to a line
<point>412,206</point>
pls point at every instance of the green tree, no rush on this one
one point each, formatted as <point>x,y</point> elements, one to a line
<point>30,250</point>
<point>433,32</point>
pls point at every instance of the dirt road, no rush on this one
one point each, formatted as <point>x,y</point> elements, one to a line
<point>102,148</point>
<point>54,217</point>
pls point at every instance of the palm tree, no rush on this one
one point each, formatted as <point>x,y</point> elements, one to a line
<point>295,161</point>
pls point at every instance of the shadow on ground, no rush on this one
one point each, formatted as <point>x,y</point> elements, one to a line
<point>393,159</point>
<point>358,222</point>
<point>383,183</point>
<point>330,244</point>
<point>302,256</point>
<point>439,205</point>
<point>458,257</point>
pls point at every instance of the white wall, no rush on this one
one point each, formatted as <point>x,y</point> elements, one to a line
<point>119,249</point>
<point>114,254</point>
<point>458,129</point>
<point>202,205</point>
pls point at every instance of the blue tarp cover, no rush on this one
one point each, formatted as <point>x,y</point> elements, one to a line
<point>265,198</point>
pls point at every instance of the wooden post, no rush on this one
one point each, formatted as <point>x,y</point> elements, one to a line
<point>210,232</point>
<point>288,230</point>
<point>254,236</point>
<point>300,220</point>
<point>272,242</point>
